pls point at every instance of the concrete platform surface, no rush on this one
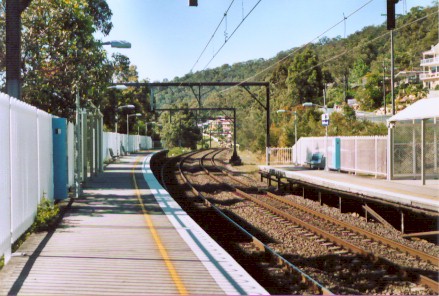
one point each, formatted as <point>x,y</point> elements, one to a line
<point>407,192</point>
<point>118,239</point>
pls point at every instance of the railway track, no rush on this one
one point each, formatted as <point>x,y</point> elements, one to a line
<point>288,277</point>
<point>317,218</point>
<point>340,238</point>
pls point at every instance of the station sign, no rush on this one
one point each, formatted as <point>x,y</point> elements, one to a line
<point>325,119</point>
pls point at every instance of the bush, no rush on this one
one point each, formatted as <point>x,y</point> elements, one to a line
<point>46,215</point>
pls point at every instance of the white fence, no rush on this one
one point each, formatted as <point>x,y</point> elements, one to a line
<point>26,172</point>
<point>357,154</point>
<point>26,164</point>
<point>71,153</point>
<point>118,142</point>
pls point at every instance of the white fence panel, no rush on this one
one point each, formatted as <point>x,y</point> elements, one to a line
<point>5,178</point>
<point>307,147</point>
<point>347,154</point>
<point>381,150</point>
<point>281,156</point>
<point>357,154</point>
<point>45,155</point>
<point>131,143</point>
<point>24,166</point>
<point>146,142</point>
<point>105,146</point>
<point>122,143</point>
<point>110,142</point>
<point>71,153</point>
<point>135,143</point>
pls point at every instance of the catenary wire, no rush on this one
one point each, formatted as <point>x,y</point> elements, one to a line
<point>303,46</point>
<point>366,43</point>
<point>237,27</point>
<point>213,35</point>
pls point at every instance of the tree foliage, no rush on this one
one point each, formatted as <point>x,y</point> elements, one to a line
<point>180,129</point>
<point>61,57</point>
<point>304,77</point>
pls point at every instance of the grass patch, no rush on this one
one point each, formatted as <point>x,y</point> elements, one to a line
<point>176,151</point>
<point>46,218</point>
<point>47,213</point>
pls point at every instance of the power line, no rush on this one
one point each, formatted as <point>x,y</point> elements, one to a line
<point>366,43</point>
<point>213,35</point>
<point>227,39</point>
<point>305,45</point>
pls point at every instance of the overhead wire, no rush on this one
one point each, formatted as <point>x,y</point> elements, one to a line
<point>237,27</point>
<point>213,35</point>
<point>366,43</point>
<point>303,46</point>
<point>211,38</point>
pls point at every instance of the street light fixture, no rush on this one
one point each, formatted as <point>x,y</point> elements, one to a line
<point>118,44</point>
<point>128,128</point>
<point>116,121</point>
<point>309,104</point>
<point>119,87</point>
<point>295,130</point>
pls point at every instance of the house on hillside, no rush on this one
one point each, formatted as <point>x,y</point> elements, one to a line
<point>430,65</point>
<point>407,77</point>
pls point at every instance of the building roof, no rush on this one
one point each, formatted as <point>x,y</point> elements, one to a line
<point>434,50</point>
<point>422,109</point>
<point>403,74</point>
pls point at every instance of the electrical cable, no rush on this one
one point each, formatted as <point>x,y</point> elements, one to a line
<point>365,43</point>
<point>237,27</point>
<point>213,35</point>
<point>303,46</point>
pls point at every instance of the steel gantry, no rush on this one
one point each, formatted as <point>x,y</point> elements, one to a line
<point>235,159</point>
<point>196,89</point>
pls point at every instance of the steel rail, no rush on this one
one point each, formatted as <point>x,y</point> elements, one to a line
<point>395,245</point>
<point>388,242</point>
<point>313,284</point>
<point>432,284</point>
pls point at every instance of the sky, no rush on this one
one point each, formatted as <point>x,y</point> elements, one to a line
<point>168,36</point>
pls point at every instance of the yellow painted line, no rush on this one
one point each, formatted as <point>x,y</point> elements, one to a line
<point>174,275</point>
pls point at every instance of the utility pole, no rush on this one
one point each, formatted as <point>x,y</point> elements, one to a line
<point>14,9</point>
<point>390,26</point>
<point>384,87</point>
<point>392,72</point>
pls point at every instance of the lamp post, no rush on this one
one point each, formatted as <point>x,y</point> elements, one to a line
<point>117,44</point>
<point>325,122</point>
<point>115,126</point>
<point>295,131</point>
<point>128,127</point>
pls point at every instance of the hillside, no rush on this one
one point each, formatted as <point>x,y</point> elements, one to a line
<point>348,68</point>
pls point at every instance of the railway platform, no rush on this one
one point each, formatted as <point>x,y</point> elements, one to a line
<point>406,193</point>
<point>125,236</point>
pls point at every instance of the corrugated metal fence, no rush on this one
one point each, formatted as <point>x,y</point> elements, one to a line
<point>26,164</point>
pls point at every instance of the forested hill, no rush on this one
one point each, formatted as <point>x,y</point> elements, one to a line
<point>350,68</point>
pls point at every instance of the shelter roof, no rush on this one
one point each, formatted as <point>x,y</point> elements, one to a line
<point>422,109</point>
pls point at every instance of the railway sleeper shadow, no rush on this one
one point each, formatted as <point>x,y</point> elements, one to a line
<point>266,270</point>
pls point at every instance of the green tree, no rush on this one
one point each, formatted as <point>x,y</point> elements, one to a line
<point>181,130</point>
<point>60,55</point>
<point>370,96</point>
<point>359,70</point>
<point>304,77</point>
